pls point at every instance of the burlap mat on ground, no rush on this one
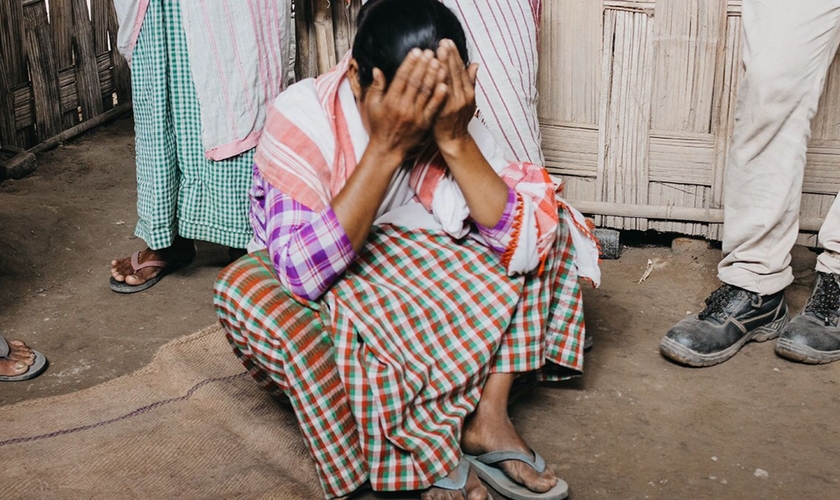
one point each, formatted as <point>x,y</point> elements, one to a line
<point>192,424</point>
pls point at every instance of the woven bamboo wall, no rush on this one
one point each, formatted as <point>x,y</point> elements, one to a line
<point>58,69</point>
<point>636,106</point>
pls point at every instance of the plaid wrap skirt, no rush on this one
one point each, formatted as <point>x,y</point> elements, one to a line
<point>385,367</point>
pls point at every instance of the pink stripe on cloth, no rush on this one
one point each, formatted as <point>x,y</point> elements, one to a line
<point>426,175</point>
<point>232,149</point>
<point>529,78</point>
<point>138,23</point>
<point>238,59</point>
<point>492,80</point>
<point>219,67</point>
<point>261,44</point>
<point>275,17</point>
<point>494,11</point>
<point>290,160</point>
<point>537,10</point>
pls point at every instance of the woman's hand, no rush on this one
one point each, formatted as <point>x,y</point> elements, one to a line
<point>400,117</point>
<point>397,119</point>
<point>484,191</point>
<point>450,129</point>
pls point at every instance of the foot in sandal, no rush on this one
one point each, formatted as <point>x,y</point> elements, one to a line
<point>460,484</point>
<point>18,362</point>
<point>499,455</point>
<point>143,269</point>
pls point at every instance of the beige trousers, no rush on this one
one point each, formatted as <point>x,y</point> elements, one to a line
<point>788,47</point>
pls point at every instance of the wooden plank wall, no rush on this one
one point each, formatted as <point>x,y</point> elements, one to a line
<point>637,103</point>
<point>59,67</point>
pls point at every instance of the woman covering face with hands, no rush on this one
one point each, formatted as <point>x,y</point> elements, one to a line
<point>403,271</point>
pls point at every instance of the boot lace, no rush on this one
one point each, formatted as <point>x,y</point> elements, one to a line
<point>826,298</point>
<point>717,301</point>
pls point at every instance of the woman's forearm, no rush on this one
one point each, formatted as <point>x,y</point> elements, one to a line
<point>356,204</point>
<point>485,192</point>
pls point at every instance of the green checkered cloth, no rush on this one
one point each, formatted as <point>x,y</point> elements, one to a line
<point>385,367</point>
<point>180,191</point>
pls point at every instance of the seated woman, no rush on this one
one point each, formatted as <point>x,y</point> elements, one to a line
<point>403,273</point>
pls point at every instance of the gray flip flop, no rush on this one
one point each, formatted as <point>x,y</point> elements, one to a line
<point>485,466</point>
<point>123,287</point>
<point>459,483</point>
<point>36,369</point>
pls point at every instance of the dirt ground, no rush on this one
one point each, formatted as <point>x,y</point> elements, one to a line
<point>634,426</point>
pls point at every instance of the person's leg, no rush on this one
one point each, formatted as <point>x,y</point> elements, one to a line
<point>158,176</point>
<point>788,47</point>
<point>489,429</point>
<point>248,329</point>
<point>547,326</point>
<point>285,346</point>
<point>212,198</point>
<point>813,336</point>
<point>18,360</point>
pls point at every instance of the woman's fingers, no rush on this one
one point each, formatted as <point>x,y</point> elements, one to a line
<point>456,70</point>
<point>443,57</point>
<point>428,85</point>
<point>435,103</point>
<point>472,71</point>
<point>461,71</point>
<point>403,74</point>
<point>431,79</point>
<point>470,74</point>
<point>446,54</point>
<point>414,81</point>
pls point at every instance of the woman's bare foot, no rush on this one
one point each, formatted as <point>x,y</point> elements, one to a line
<point>18,361</point>
<point>489,429</point>
<point>475,491</point>
<point>181,250</point>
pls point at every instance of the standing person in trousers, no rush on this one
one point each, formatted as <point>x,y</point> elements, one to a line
<point>788,48</point>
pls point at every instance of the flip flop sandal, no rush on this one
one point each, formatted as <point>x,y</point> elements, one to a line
<point>486,467</point>
<point>36,369</point>
<point>123,287</point>
<point>459,483</point>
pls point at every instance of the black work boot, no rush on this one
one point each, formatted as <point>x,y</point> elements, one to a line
<point>732,317</point>
<point>813,335</point>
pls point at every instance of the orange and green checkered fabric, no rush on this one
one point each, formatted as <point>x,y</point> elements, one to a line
<point>383,370</point>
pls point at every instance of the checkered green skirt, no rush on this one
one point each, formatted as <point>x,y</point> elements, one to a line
<point>385,367</point>
<point>180,191</point>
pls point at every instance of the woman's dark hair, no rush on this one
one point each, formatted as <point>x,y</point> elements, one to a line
<point>389,29</point>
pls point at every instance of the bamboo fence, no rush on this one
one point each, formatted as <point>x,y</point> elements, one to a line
<point>636,109</point>
<point>60,72</point>
<point>637,103</point>
<point>324,32</point>
<point>637,106</point>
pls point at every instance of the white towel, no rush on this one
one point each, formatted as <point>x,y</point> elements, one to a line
<point>239,58</point>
